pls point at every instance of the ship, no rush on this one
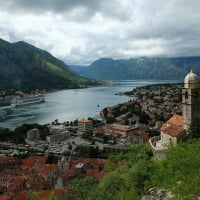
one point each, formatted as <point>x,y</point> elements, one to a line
<point>26,99</point>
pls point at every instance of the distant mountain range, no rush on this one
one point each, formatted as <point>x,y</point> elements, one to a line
<point>25,67</point>
<point>140,68</point>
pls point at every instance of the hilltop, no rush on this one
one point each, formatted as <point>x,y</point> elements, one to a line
<point>25,67</point>
<point>140,68</point>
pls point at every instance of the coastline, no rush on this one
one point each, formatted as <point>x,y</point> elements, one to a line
<point>69,104</point>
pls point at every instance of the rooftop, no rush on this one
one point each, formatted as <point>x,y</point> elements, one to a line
<point>85,121</point>
<point>176,120</point>
<point>191,80</point>
<point>172,130</point>
<point>47,169</point>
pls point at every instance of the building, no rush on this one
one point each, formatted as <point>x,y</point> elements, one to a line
<point>177,126</point>
<point>172,130</point>
<point>9,162</point>
<point>190,99</point>
<point>115,130</point>
<point>56,138</point>
<point>49,172</point>
<point>85,125</point>
<point>58,133</point>
<point>33,134</point>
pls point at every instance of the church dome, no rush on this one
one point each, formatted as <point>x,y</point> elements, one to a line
<point>191,80</point>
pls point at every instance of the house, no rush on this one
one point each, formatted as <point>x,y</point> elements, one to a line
<point>172,130</point>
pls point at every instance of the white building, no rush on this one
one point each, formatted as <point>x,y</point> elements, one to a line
<point>58,133</point>
<point>85,125</point>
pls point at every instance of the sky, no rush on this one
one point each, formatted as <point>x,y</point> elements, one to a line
<point>81,31</point>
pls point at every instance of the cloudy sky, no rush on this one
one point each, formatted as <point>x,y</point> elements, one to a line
<point>81,31</point>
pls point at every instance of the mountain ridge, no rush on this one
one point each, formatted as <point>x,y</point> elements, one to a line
<point>141,68</point>
<point>26,67</point>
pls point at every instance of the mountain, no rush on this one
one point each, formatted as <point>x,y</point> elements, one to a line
<point>77,68</point>
<point>141,68</point>
<point>25,67</point>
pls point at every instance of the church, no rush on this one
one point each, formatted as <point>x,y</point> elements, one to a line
<point>177,126</point>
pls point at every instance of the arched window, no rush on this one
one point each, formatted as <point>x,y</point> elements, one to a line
<point>186,95</point>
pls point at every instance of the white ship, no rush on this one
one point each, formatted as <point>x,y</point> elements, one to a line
<point>27,99</point>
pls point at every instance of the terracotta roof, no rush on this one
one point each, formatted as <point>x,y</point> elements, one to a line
<point>23,195</point>
<point>29,161</point>
<point>48,169</point>
<point>85,121</point>
<point>42,160</point>
<point>172,130</point>
<point>176,120</point>
<point>92,168</point>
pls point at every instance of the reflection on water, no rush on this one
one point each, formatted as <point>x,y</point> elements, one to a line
<point>67,105</point>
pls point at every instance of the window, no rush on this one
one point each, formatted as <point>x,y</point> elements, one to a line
<point>186,95</point>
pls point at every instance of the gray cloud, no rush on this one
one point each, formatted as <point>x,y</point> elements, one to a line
<point>80,31</point>
<point>52,6</point>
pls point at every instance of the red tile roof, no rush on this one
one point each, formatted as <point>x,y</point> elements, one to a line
<point>174,126</point>
<point>48,169</point>
<point>176,120</point>
<point>29,162</point>
<point>93,170</point>
<point>42,160</point>
<point>172,130</point>
<point>85,121</point>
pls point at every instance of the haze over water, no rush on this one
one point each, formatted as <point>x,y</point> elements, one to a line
<point>68,105</point>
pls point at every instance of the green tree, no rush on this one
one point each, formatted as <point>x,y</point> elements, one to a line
<point>194,129</point>
<point>83,188</point>
<point>144,117</point>
<point>109,187</point>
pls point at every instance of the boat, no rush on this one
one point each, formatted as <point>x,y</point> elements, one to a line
<point>26,99</point>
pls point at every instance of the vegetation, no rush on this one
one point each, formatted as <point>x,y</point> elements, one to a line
<point>82,188</point>
<point>141,68</point>
<point>195,127</point>
<point>129,175</point>
<point>178,172</point>
<point>19,134</point>
<point>25,67</point>
<point>39,196</point>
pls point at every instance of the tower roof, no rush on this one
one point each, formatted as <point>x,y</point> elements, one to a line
<point>191,80</point>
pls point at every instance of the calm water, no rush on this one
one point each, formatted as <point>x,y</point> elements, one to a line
<point>68,105</point>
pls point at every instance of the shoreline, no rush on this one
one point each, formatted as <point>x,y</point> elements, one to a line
<point>73,117</point>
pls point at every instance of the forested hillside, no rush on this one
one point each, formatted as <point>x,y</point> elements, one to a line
<point>141,68</point>
<point>25,67</point>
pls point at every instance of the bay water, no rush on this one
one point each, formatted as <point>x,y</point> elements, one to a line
<point>68,105</point>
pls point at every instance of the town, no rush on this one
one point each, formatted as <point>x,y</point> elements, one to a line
<point>77,149</point>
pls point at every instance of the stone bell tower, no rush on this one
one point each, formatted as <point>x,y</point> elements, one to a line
<point>190,99</point>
